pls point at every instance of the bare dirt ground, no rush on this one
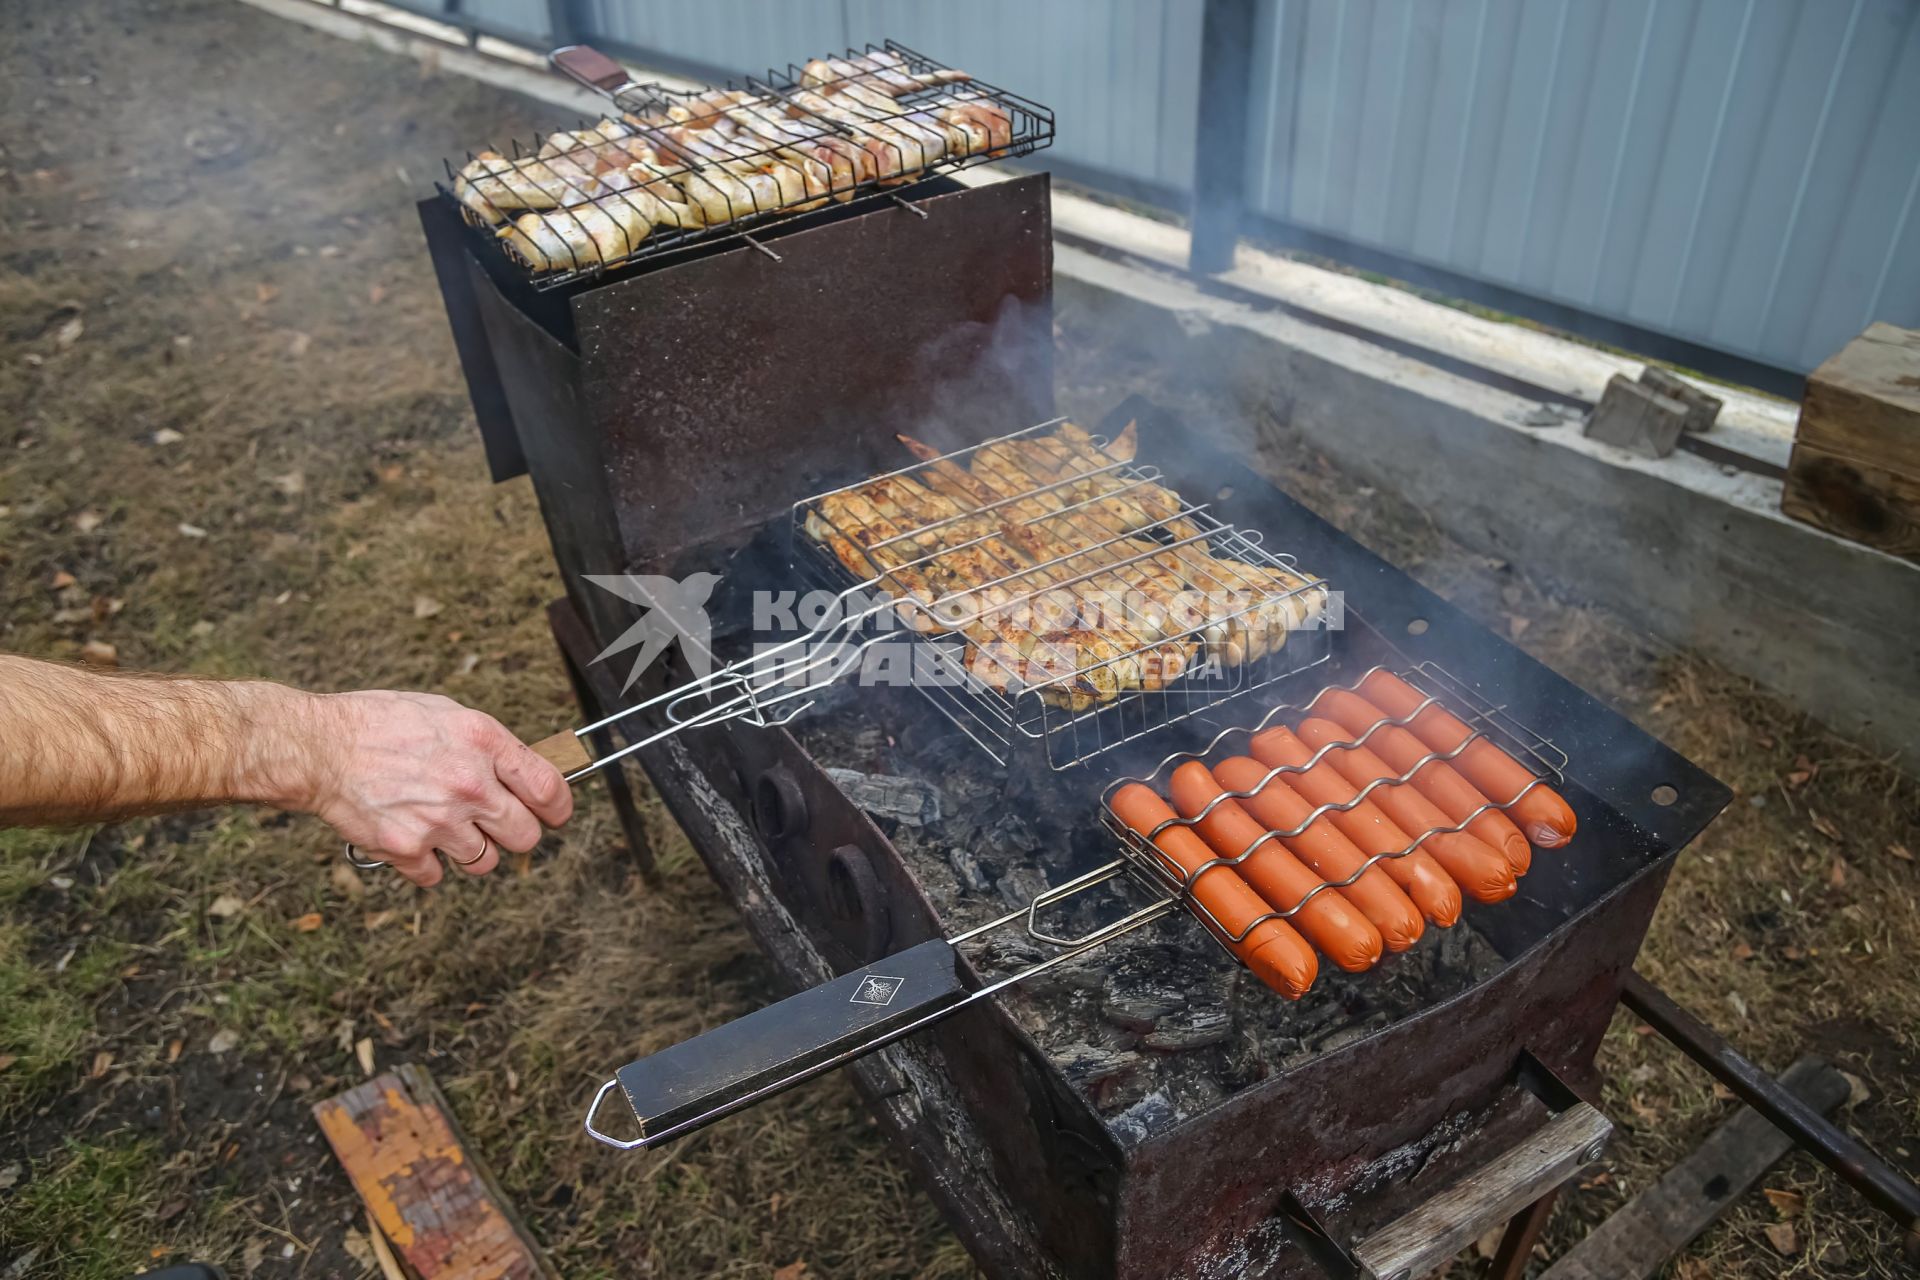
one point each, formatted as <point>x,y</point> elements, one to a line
<point>238,444</point>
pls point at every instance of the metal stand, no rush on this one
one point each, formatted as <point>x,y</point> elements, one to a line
<point>570,634</point>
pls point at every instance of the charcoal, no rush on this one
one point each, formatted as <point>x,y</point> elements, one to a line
<point>1153,1112</point>
<point>1185,1029</point>
<point>1140,1005</point>
<point>973,874</point>
<point>905,800</point>
<point>1087,1065</point>
<point>1021,884</point>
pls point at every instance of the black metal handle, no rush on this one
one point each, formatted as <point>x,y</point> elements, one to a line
<point>735,1065</point>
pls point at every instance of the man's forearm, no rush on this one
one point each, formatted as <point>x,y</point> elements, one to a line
<point>82,745</point>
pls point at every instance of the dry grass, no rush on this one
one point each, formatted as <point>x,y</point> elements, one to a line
<point>263,292</point>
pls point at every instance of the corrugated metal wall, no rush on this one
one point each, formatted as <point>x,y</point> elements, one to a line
<point>1741,174</point>
<point>1737,173</point>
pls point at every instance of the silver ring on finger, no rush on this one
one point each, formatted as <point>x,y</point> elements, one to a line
<point>486,843</point>
<point>365,864</point>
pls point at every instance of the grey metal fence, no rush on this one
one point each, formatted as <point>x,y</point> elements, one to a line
<point>1726,182</point>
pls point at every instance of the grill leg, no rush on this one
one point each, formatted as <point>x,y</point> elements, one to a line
<point>562,619</point>
<point>1517,1241</point>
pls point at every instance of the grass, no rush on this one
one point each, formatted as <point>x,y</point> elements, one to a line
<point>83,1205</point>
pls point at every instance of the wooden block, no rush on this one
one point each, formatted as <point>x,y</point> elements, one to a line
<point>430,1194</point>
<point>1659,1222</point>
<point>1855,469</point>
<point>1702,409</point>
<point>1632,415</point>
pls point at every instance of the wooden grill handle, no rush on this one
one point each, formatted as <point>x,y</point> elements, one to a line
<point>565,751</point>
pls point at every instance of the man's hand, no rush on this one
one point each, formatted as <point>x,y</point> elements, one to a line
<point>400,775</point>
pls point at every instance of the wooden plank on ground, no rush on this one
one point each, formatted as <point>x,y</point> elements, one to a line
<point>428,1192</point>
<point>1659,1222</point>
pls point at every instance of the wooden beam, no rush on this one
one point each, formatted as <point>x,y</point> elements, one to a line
<point>1855,469</point>
<point>427,1191</point>
<point>1659,1222</point>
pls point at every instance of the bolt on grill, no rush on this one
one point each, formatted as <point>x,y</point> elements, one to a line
<point>680,167</point>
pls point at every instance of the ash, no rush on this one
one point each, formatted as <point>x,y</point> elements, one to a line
<point>1154,1027</point>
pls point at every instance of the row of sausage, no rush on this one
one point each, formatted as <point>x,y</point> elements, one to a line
<point>1360,879</point>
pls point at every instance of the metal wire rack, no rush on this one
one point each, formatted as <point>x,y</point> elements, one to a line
<point>676,168</point>
<point>1483,719</point>
<point>1059,594</point>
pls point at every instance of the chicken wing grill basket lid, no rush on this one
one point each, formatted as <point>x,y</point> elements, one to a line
<point>674,168</point>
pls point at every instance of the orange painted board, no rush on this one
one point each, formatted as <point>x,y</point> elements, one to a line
<point>432,1198</point>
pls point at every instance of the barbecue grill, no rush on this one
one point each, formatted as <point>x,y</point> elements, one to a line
<point>1086,1079</point>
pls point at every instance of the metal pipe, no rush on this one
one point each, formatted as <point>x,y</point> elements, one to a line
<point>1892,1192</point>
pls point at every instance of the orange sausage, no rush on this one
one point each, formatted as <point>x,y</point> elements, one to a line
<point>1437,780</point>
<point>1328,920</point>
<point>1277,955</point>
<point>1431,889</point>
<point>1482,872</point>
<point>1546,819</point>
<point>1279,807</point>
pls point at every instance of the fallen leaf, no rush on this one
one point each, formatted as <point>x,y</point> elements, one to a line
<point>167,435</point>
<point>265,292</point>
<point>201,629</point>
<point>174,1049</point>
<point>346,879</point>
<point>1739,1003</point>
<point>100,653</point>
<point>1741,951</point>
<point>1857,1091</point>
<point>1901,852</point>
<point>1798,778</point>
<point>61,581</point>
<point>1517,625</point>
<point>227,904</point>
<point>1837,875</point>
<point>308,922</point>
<point>166,1213</point>
<point>1784,1239</point>
<point>1723,1093</point>
<point>10,1177</point>
<point>792,1271</point>
<point>386,1023</point>
<point>105,607</point>
<point>101,1062</point>
<point>224,1040</point>
<point>69,333</point>
<point>426,606</point>
<point>363,1051</point>
<point>1787,1204</point>
<point>191,530</point>
<point>284,596</point>
<point>358,1249</point>
<point>297,347</point>
<point>292,484</point>
<point>1823,826</point>
<point>380,919</point>
<point>253,1255</point>
<point>8,1059</point>
<point>467,664</point>
<point>1793,953</point>
<point>377,294</point>
<point>88,521</point>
